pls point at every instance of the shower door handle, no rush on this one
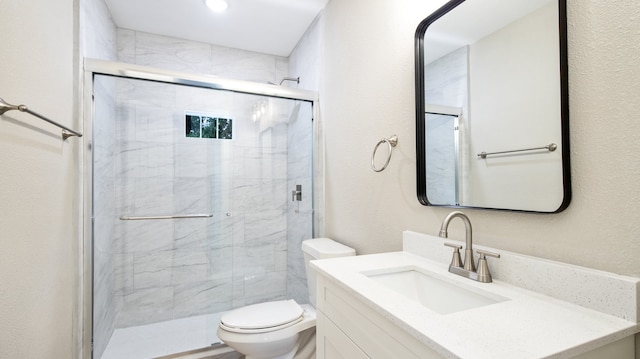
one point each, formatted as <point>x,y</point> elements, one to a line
<point>297,194</point>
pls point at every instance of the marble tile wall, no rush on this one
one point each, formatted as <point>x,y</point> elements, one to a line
<point>305,217</point>
<point>170,53</point>
<point>97,39</point>
<point>299,213</point>
<point>97,30</point>
<point>159,270</point>
<point>441,171</point>
<point>168,269</point>
<point>200,266</point>
<point>104,200</point>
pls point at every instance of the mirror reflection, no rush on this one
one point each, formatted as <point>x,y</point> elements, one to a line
<point>492,111</point>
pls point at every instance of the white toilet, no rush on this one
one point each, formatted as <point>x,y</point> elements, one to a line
<point>274,330</point>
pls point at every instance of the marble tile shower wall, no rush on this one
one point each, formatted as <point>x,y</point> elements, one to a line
<point>440,145</point>
<point>104,199</point>
<point>167,269</point>
<point>304,62</point>
<point>183,55</point>
<point>159,270</point>
<point>97,39</point>
<point>299,213</point>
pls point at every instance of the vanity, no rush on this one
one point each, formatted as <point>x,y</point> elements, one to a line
<point>492,132</point>
<point>408,305</point>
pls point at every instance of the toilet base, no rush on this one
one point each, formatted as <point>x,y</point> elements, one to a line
<point>305,348</point>
<point>284,356</point>
<point>280,349</point>
<point>307,345</point>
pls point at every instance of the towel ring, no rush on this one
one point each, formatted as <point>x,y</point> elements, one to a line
<point>391,143</point>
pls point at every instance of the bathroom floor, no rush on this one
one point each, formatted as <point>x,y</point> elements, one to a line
<point>164,338</point>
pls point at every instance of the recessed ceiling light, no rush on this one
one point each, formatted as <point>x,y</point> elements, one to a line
<point>216,5</point>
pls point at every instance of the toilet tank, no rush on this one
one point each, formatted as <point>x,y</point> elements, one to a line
<point>321,248</point>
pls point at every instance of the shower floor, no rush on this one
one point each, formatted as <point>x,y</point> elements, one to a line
<point>163,338</point>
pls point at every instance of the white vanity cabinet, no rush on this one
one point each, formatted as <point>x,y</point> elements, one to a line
<point>573,312</point>
<point>347,328</point>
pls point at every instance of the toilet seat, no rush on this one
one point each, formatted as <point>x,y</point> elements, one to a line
<point>263,317</point>
<point>259,330</point>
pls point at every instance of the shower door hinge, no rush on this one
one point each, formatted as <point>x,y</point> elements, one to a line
<point>297,194</point>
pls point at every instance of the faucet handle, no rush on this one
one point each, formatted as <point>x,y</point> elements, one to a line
<point>487,253</point>
<point>456,260</point>
<point>484,275</point>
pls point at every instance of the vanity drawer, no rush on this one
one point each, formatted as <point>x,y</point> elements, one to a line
<point>369,331</point>
<point>332,343</point>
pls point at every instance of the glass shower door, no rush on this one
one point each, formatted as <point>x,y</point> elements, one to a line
<point>225,164</point>
<point>442,143</point>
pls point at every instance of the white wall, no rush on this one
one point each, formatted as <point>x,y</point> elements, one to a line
<point>368,77</point>
<point>38,223</point>
<point>513,109</point>
<point>369,93</point>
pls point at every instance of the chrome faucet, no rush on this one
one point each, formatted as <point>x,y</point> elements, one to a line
<point>468,251</point>
<point>468,268</point>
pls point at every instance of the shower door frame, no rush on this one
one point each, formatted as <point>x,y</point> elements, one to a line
<point>94,67</point>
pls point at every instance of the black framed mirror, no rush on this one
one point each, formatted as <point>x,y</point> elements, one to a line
<point>492,106</point>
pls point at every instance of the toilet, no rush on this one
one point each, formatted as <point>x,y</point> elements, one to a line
<point>279,329</point>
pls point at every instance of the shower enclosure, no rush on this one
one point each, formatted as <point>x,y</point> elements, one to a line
<point>442,145</point>
<point>193,204</point>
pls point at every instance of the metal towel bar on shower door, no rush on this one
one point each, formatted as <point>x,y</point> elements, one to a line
<point>175,216</point>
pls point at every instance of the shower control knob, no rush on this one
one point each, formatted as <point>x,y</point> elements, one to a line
<point>297,194</point>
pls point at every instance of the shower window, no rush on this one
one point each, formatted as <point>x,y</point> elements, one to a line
<point>208,126</point>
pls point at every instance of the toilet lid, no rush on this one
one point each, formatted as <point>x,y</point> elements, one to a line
<point>263,315</point>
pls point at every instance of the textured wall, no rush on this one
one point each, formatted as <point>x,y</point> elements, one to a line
<point>368,68</point>
<point>38,181</point>
<point>369,94</point>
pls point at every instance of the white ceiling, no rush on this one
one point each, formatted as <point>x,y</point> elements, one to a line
<point>266,26</point>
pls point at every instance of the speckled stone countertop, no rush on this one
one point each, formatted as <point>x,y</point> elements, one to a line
<point>574,310</point>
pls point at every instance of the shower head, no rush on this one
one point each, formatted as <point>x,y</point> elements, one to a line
<point>296,79</point>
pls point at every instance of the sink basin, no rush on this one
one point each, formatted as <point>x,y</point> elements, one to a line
<point>432,292</point>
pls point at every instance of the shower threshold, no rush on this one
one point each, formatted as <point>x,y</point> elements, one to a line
<point>178,338</point>
<point>217,351</point>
